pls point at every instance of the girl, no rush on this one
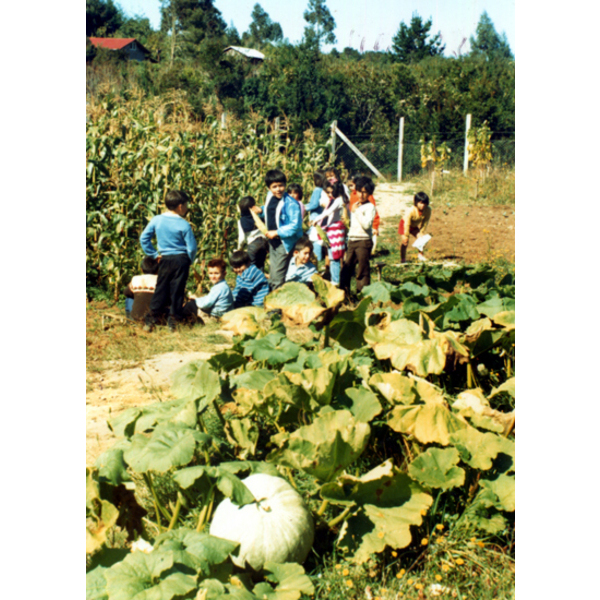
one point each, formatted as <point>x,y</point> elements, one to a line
<point>332,221</point>
<point>414,223</point>
<point>315,208</point>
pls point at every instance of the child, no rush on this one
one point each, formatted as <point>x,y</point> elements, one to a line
<point>176,252</point>
<point>295,191</point>
<point>414,223</point>
<point>284,223</point>
<point>333,176</point>
<point>315,208</point>
<point>354,197</point>
<point>360,242</point>
<point>331,221</point>
<point>256,243</point>
<point>301,269</point>
<point>218,301</point>
<point>138,294</point>
<point>251,285</point>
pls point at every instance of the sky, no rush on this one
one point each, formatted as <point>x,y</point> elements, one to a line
<point>372,23</point>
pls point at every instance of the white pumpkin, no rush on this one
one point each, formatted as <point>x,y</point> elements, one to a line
<point>279,527</point>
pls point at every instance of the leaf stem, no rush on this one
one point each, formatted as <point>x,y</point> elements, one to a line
<point>175,512</point>
<point>331,524</point>
<point>322,508</point>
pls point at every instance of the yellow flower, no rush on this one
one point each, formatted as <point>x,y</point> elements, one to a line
<point>419,586</point>
<point>349,583</point>
<point>338,566</point>
<point>438,577</point>
<point>445,568</point>
<point>439,526</point>
<point>402,571</point>
<point>345,572</point>
<point>380,535</point>
<point>398,575</point>
<point>473,540</point>
<point>424,542</point>
<point>481,544</point>
<point>410,582</point>
<point>394,553</point>
<point>460,561</point>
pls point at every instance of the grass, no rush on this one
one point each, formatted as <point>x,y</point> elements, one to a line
<point>497,187</point>
<point>116,339</point>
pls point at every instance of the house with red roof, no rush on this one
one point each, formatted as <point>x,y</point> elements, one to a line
<point>132,48</point>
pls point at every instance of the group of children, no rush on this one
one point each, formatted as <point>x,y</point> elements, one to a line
<point>343,225</point>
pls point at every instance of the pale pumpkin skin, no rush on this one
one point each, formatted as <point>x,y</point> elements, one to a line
<point>279,528</point>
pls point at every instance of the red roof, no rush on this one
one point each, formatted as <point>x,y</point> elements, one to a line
<point>111,43</point>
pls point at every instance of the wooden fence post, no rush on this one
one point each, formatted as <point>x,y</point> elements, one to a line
<point>332,156</point>
<point>466,161</point>
<point>400,148</point>
<point>223,120</point>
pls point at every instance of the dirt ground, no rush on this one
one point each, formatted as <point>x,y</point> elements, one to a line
<point>459,233</point>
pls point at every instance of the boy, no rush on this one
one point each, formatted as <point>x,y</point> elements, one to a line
<point>355,196</point>
<point>284,225</point>
<point>414,223</point>
<point>218,301</point>
<point>360,244</point>
<point>256,243</point>
<point>251,285</point>
<point>301,269</point>
<point>138,294</point>
<point>176,252</point>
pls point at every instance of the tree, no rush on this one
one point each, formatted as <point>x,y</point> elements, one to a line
<point>487,43</point>
<point>137,27</point>
<point>262,29</point>
<point>192,21</point>
<point>410,44</point>
<point>321,24</point>
<point>102,18</point>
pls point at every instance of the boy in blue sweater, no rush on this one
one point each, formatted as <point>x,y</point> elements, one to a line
<point>301,269</point>
<point>218,301</point>
<point>251,285</point>
<point>284,223</point>
<point>176,252</point>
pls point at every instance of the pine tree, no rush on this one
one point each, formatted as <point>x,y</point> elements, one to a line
<point>487,43</point>
<point>410,44</point>
<point>321,24</point>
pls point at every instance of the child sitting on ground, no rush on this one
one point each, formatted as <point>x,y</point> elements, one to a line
<point>301,269</point>
<point>176,252</point>
<point>414,223</point>
<point>138,294</point>
<point>218,301</point>
<point>360,235</point>
<point>251,285</point>
<point>248,233</point>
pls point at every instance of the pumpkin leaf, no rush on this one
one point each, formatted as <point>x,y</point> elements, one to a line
<point>503,487</point>
<point>296,302</point>
<point>479,449</point>
<point>348,326</point>
<point>243,434</point>
<point>318,383</point>
<point>508,386</point>
<point>331,295</point>
<point>290,578</point>
<point>274,348</point>
<point>249,320</point>
<point>325,448</point>
<point>399,389</point>
<point>196,380</point>
<point>142,576</point>
<point>362,403</point>
<point>111,466</point>
<point>95,584</point>
<point>98,526</point>
<point>380,291</point>
<point>436,468</point>
<point>169,446</point>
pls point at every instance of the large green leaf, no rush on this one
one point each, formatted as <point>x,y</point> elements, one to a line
<point>399,389</point>
<point>508,386</point>
<point>111,465</point>
<point>348,326</point>
<point>331,295</point>
<point>380,291</point>
<point>318,383</point>
<point>436,468</point>
<point>291,581</point>
<point>479,449</point>
<point>325,448</point>
<point>495,305</point>
<point>98,525</point>
<point>95,584</point>
<point>504,489</point>
<point>253,380</point>
<point>143,577</point>
<point>169,446</point>
<point>228,484</point>
<point>296,302</point>
<point>274,348</point>
<point>196,380</point>
<point>243,434</point>
<point>387,503</point>
<point>362,403</point>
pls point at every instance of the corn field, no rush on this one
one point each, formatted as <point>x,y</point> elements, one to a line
<point>137,149</point>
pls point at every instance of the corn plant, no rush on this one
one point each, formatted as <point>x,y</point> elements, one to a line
<point>480,148</point>
<point>138,149</point>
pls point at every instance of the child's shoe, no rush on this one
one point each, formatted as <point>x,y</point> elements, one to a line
<point>421,257</point>
<point>148,324</point>
<point>172,324</point>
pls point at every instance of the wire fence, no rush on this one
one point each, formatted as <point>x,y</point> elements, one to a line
<point>382,152</point>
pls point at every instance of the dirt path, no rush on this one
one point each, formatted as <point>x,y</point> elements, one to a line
<point>117,388</point>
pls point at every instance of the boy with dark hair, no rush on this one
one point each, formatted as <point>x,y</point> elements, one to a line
<point>176,252</point>
<point>138,294</point>
<point>284,223</point>
<point>360,235</point>
<point>248,233</point>
<point>251,285</point>
<point>218,301</point>
<point>301,269</point>
<point>415,222</point>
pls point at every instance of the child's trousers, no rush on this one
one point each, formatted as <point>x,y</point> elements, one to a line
<point>358,254</point>
<point>173,271</point>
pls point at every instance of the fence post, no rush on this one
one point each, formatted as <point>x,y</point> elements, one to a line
<point>466,161</point>
<point>400,148</point>
<point>359,153</point>
<point>276,123</point>
<point>333,128</point>
<point>223,120</point>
